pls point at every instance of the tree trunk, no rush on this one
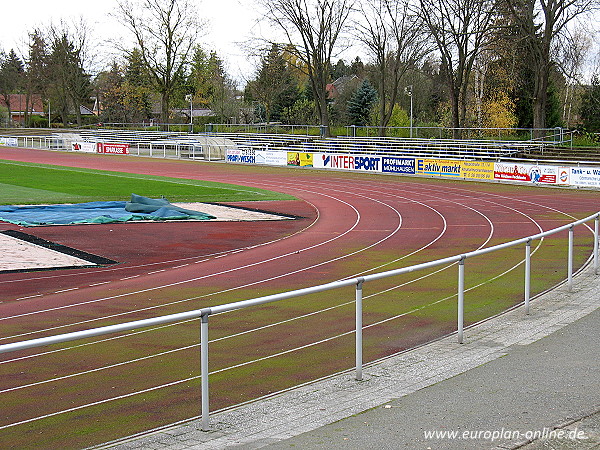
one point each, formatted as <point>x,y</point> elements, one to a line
<point>164,108</point>
<point>455,112</point>
<point>540,97</point>
<point>26,114</point>
<point>324,116</point>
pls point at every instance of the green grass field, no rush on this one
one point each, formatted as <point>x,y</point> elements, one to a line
<point>24,183</point>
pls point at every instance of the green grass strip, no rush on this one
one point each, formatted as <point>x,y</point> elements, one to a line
<point>25,183</point>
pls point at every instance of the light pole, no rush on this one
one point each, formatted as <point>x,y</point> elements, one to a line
<point>408,90</point>
<point>189,98</point>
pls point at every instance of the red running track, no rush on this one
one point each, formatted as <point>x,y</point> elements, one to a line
<point>348,219</point>
<point>351,224</point>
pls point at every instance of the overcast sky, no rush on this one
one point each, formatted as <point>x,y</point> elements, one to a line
<point>230,22</point>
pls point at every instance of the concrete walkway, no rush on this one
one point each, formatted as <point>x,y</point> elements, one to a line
<point>517,377</point>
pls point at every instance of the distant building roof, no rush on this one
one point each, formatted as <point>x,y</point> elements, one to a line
<point>85,111</point>
<point>334,89</point>
<point>18,103</point>
<point>204,112</point>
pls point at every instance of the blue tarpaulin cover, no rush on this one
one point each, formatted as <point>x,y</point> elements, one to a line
<point>139,208</point>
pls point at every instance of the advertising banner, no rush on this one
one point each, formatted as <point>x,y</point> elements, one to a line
<point>88,147</point>
<point>9,141</point>
<point>271,158</point>
<point>585,177</point>
<point>564,175</point>
<point>438,167</point>
<point>300,159</point>
<point>445,168</point>
<point>398,165</point>
<point>477,170</point>
<point>117,149</point>
<point>347,162</point>
<point>244,156</point>
<point>527,173</point>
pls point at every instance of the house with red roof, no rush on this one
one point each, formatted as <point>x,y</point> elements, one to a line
<point>18,106</point>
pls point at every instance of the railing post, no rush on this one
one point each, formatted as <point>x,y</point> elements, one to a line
<point>596,222</point>
<point>570,259</point>
<point>359,329</point>
<point>461,298</point>
<point>204,371</point>
<point>527,274</point>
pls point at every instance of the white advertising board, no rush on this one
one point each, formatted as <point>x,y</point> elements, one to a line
<point>88,147</point>
<point>271,158</point>
<point>585,177</point>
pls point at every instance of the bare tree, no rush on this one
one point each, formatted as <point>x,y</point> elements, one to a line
<point>312,28</point>
<point>541,25</point>
<point>395,42</point>
<point>165,32</point>
<point>570,61</point>
<point>459,28</point>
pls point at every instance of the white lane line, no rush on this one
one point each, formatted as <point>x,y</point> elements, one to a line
<point>29,296</point>
<point>129,278</point>
<point>66,290</point>
<point>157,271</point>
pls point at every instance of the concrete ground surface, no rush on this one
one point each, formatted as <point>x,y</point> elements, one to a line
<point>518,381</point>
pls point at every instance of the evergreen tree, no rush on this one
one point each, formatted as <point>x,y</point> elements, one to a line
<point>339,70</point>
<point>136,73</point>
<point>70,83</point>
<point>361,104</point>
<point>36,76</point>
<point>11,77</point>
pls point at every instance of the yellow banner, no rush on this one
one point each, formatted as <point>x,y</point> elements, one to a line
<point>300,159</point>
<point>453,168</point>
<point>477,170</point>
<point>438,167</point>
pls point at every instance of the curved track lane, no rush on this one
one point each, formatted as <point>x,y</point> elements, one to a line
<point>353,224</point>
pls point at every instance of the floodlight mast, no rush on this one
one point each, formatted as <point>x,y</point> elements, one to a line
<point>189,98</point>
<point>408,90</point>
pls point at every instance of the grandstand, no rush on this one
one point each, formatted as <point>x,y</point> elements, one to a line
<point>213,146</point>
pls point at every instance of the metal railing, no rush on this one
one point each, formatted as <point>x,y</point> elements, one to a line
<point>550,136</point>
<point>164,146</point>
<point>204,313</point>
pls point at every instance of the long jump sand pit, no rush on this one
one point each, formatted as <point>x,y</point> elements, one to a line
<point>24,252</point>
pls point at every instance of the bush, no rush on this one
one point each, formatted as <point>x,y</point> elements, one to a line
<point>38,122</point>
